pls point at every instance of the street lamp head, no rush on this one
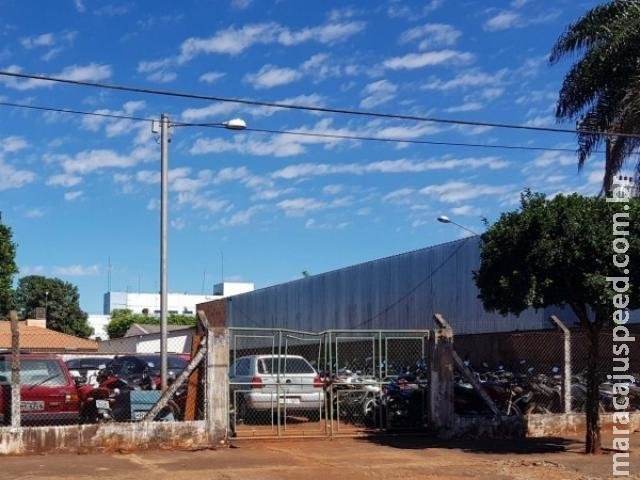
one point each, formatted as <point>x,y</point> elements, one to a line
<point>444,219</point>
<point>235,124</point>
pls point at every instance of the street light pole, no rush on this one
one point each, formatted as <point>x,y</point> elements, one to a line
<point>233,124</point>
<point>445,219</point>
<point>164,196</point>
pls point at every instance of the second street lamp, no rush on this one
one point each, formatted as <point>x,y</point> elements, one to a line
<point>233,124</point>
<point>445,219</point>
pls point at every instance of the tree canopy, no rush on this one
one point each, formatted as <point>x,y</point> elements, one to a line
<point>60,299</point>
<point>558,252</point>
<point>565,251</point>
<point>601,90</point>
<point>122,319</point>
<point>8,269</point>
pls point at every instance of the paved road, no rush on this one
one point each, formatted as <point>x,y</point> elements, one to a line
<point>387,458</point>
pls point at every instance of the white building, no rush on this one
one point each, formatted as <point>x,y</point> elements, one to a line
<point>177,303</point>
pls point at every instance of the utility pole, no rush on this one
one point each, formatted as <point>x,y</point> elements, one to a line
<point>164,205</point>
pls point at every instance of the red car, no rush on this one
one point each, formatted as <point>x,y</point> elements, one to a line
<point>48,393</point>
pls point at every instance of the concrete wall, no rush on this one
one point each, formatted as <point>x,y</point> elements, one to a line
<point>104,437</point>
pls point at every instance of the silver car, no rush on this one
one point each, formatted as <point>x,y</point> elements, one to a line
<point>272,383</point>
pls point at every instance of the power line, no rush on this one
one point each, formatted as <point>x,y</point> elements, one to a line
<point>290,132</point>
<point>291,106</point>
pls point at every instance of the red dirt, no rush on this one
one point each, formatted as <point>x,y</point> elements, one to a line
<point>379,457</point>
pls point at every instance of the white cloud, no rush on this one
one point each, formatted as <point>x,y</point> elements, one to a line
<point>377,93</point>
<point>34,213</point>
<point>64,180</point>
<point>297,207</point>
<point>465,107</point>
<point>546,159</point>
<point>233,41</point>
<point>270,193</point>
<point>432,35</point>
<point>12,144</point>
<point>243,217</point>
<point>71,196</point>
<point>420,60</point>
<point>401,196</point>
<point>507,19</point>
<point>466,210</point>
<point>270,76</point>
<point>311,100</point>
<point>200,202</point>
<point>241,4</point>
<point>215,110</point>
<point>327,34</point>
<point>42,40</point>
<point>92,160</point>
<point>469,79</point>
<point>211,77</point>
<point>332,189</point>
<point>11,177</point>
<point>455,191</point>
<point>503,21</point>
<point>387,166</point>
<point>312,224</point>
<point>77,270</point>
<point>87,73</point>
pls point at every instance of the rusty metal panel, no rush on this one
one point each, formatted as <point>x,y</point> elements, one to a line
<point>399,292</point>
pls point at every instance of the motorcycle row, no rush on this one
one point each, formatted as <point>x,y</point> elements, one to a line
<point>400,401</point>
<point>105,397</point>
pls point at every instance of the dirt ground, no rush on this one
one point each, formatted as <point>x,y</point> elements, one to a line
<point>379,457</point>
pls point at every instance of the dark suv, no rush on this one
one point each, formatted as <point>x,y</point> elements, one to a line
<point>48,393</point>
<point>141,368</point>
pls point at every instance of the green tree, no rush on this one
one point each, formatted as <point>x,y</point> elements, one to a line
<point>601,90</point>
<point>560,252</point>
<point>122,319</point>
<point>8,269</point>
<point>61,301</point>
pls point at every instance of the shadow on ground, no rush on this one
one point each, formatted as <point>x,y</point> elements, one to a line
<point>483,445</point>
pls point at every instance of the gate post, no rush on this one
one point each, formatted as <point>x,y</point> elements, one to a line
<point>441,411</point>
<point>216,373</point>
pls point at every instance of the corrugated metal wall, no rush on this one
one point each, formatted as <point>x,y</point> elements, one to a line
<point>398,292</point>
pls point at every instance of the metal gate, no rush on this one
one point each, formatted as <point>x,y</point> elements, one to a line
<point>337,382</point>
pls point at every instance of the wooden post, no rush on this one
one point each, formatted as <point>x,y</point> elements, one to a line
<point>193,390</point>
<point>441,375</point>
<point>15,370</point>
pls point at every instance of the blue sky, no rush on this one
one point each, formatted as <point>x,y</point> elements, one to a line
<point>81,191</point>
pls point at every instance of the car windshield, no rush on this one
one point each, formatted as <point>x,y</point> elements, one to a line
<point>35,372</point>
<point>86,363</point>
<point>292,365</point>
<point>173,363</point>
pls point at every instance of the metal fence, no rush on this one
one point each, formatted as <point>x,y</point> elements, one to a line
<point>539,372</point>
<point>292,383</point>
<point>286,382</point>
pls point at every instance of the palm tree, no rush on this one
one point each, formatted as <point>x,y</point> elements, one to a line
<point>601,91</point>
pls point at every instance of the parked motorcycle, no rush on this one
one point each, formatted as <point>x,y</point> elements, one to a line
<point>97,396</point>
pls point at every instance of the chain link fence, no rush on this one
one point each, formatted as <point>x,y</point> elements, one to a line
<point>297,383</point>
<point>540,372</point>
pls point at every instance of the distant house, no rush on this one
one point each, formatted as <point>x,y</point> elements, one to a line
<point>36,337</point>
<point>145,338</point>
